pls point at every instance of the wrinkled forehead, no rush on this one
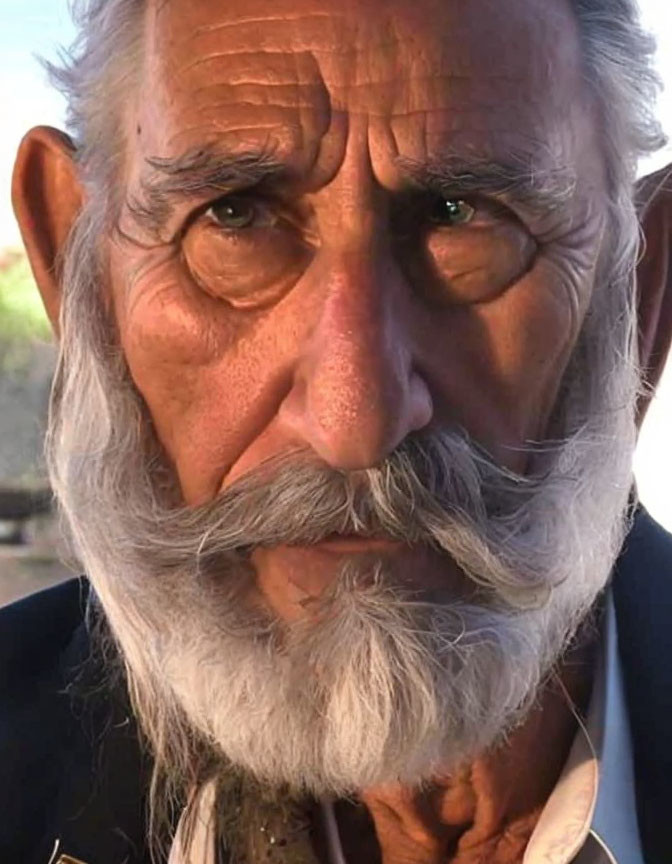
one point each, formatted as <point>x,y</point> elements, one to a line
<point>425,73</point>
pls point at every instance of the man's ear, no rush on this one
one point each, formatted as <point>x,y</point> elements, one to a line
<point>47,197</point>
<point>654,278</point>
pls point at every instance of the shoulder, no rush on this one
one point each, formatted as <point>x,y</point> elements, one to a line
<point>35,634</point>
<point>648,542</point>
<point>642,590</point>
<point>72,766</point>
<point>35,630</point>
<point>643,583</point>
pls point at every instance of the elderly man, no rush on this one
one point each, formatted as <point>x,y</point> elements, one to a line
<point>351,353</point>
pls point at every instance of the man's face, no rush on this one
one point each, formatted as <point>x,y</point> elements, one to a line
<point>407,240</point>
<point>374,267</point>
<point>346,231</point>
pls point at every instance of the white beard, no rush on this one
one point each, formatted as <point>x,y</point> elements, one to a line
<point>385,687</point>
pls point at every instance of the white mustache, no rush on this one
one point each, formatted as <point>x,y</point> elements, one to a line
<point>437,489</point>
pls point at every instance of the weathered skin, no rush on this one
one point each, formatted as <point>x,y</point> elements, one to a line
<point>326,331</point>
<point>336,346</point>
<point>343,319</point>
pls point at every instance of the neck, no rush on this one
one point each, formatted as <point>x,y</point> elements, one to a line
<point>488,810</point>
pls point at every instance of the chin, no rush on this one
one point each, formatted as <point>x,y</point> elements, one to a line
<point>378,687</point>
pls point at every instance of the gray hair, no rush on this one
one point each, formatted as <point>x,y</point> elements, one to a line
<point>618,56</point>
<point>541,547</point>
<point>406,683</point>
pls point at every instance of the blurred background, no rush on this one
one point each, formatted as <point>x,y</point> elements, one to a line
<point>30,550</point>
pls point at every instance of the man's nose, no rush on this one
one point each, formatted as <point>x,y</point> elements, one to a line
<point>356,393</point>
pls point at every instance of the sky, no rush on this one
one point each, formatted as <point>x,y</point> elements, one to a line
<point>27,27</point>
<point>39,27</point>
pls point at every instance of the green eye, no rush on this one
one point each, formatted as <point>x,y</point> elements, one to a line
<point>451,211</point>
<point>233,213</point>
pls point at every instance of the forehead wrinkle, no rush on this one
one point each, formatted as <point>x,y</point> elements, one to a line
<point>493,81</point>
<point>304,16</point>
<point>247,90</point>
<point>360,43</point>
<point>353,30</point>
<point>472,101</point>
<point>209,135</point>
<point>226,56</point>
<point>244,98</point>
<point>374,96</point>
<point>245,82</point>
<point>437,81</point>
<point>256,33</point>
<point>413,90</point>
<point>294,77</point>
<point>249,103</point>
<point>327,42</point>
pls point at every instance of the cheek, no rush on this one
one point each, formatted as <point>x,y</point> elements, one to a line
<point>248,269</point>
<point>531,331</point>
<point>170,331</point>
<point>471,266</point>
<point>208,374</point>
<point>506,359</point>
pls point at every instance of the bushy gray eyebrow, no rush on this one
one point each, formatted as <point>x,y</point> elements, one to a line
<point>166,181</point>
<point>517,179</point>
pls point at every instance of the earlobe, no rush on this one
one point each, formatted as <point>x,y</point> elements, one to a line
<point>47,197</point>
<point>654,279</point>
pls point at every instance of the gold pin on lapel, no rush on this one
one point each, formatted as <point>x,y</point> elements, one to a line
<point>62,859</point>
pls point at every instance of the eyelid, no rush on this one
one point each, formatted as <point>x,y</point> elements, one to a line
<point>486,209</point>
<point>258,208</point>
<point>283,213</point>
<point>497,201</point>
<point>527,213</point>
<point>201,211</point>
<point>490,208</point>
<point>483,204</point>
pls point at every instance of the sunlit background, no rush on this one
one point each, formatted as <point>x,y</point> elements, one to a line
<point>38,27</point>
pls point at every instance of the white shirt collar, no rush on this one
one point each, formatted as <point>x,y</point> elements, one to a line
<point>591,816</point>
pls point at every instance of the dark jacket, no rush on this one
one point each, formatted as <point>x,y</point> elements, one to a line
<point>71,767</point>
